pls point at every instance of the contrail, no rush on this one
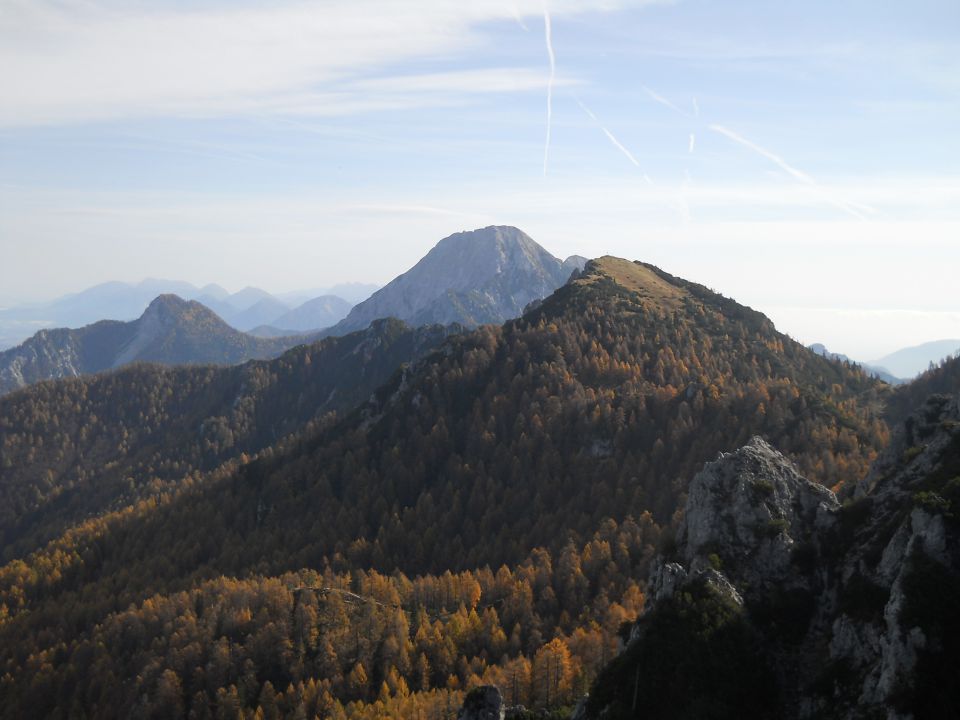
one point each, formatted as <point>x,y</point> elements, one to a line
<point>696,108</point>
<point>789,169</point>
<point>619,146</point>
<point>548,33</point>
<point>693,143</point>
<point>772,157</point>
<point>587,110</point>
<point>517,17</point>
<point>616,143</point>
<point>663,101</point>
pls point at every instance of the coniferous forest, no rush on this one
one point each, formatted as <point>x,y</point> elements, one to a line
<point>198,542</point>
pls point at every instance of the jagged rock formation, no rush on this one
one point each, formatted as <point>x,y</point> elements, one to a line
<point>850,609</point>
<point>483,276</point>
<point>899,576</point>
<point>171,331</point>
<point>752,506</point>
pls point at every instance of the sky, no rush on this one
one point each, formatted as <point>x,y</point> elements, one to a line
<point>802,158</point>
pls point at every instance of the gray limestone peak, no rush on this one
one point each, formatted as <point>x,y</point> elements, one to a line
<point>575,263</point>
<point>481,276</point>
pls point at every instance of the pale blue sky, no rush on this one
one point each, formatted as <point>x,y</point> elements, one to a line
<point>800,157</point>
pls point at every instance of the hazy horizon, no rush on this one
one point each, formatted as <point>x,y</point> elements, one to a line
<point>855,332</point>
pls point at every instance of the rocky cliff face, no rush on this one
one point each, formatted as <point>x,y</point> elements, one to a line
<point>848,608</point>
<point>897,579</point>
<point>746,512</point>
<point>47,355</point>
<point>471,278</point>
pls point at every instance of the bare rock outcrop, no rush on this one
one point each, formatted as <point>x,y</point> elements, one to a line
<point>746,511</point>
<point>851,606</point>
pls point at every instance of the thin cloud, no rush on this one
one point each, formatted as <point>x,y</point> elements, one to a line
<point>696,108</point>
<point>203,60</point>
<point>793,172</point>
<point>683,205</point>
<point>485,80</point>
<point>388,209</point>
<point>692,144</point>
<point>191,147</point>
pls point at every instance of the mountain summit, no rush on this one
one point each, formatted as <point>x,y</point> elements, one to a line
<point>171,331</point>
<point>473,278</point>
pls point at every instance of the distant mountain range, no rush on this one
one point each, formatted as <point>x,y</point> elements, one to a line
<point>352,292</point>
<point>471,278</point>
<point>320,312</point>
<point>910,362</point>
<point>243,310</point>
<point>877,372</point>
<point>171,331</point>
<point>468,279</point>
<point>903,365</point>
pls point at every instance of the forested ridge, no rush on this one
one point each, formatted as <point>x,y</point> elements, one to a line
<point>943,378</point>
<point>76,448</point>
<point>557,439</point>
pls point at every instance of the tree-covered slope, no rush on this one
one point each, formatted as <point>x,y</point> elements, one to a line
<point>591,411</point>
<point>942,379</point>
<point>79,447</point>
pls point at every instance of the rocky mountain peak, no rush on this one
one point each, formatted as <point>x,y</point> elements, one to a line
<point>744,513</point>
<point>639,278</point>
<point>167,307</point>
<point>170,331</point>
<point>575,262</point>
<point>480,276</point>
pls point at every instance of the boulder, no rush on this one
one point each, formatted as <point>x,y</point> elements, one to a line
<point>483,703</point>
